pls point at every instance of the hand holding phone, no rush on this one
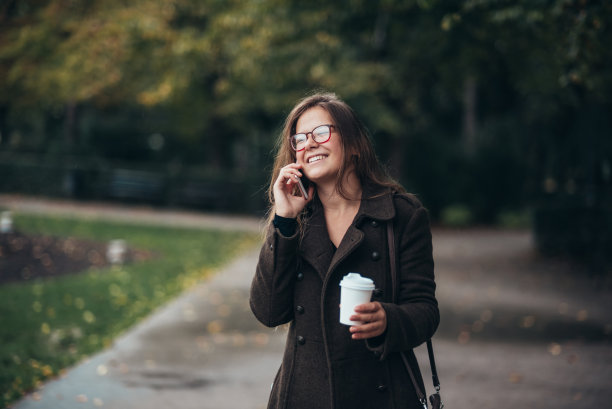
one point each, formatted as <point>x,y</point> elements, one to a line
<point>292,191</point>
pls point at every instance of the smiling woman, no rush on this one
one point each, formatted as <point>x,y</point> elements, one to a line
<point>314,240</point>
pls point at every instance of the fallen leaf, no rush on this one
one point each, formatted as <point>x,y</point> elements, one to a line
<point>515,377</point>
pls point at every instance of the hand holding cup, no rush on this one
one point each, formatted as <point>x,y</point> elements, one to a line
<point>367,319</point>
<point>374,319</point>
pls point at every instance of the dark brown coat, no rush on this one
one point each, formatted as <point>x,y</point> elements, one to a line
<point>297,282</point>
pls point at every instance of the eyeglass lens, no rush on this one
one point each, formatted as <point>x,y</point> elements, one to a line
<point>320,134</point>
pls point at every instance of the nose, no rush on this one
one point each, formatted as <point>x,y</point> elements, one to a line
<point>310,142</point>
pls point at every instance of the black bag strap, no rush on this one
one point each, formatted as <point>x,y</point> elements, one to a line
<point>430,352</point>
<point>432,362</point>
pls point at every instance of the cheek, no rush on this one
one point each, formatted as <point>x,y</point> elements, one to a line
<point>338,154</point>
<point>299,157</point>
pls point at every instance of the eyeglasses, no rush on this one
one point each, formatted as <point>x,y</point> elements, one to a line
<point>320,134</point>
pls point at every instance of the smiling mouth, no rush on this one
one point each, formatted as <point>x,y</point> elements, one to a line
<point>316,158</point>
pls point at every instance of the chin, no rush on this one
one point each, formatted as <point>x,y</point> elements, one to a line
<point>318,178</point>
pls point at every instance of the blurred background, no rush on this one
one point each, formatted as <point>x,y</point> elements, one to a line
<point>497,114</point>
<point>491,112</point>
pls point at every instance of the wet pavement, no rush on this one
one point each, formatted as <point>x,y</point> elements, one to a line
<point>517,331</point>
<point>203,350</point>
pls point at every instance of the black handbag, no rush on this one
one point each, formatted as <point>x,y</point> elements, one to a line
<point>435,398</point>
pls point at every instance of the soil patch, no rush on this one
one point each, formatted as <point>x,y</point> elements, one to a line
<point>28,257</point>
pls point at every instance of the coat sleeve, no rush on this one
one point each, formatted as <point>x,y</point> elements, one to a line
<point>415,317</point>
<point>271,297</point>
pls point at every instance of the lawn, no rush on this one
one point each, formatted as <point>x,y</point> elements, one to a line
<point>47,325</point>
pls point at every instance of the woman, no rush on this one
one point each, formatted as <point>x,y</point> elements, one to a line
<point>312,243</point>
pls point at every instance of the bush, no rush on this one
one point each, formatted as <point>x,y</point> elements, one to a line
<point>456,216</point>
<point>514,219</point>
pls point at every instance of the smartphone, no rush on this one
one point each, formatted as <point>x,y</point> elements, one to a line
<point>303,187</point>
<point>303,184</point>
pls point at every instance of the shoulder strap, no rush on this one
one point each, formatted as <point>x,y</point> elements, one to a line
<point>395,287</point>
<point>432,363</point>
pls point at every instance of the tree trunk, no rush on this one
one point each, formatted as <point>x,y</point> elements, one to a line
<point>469,114</point>
<point>70,124</point>
<point>397,157</point>
<point>4,131</point>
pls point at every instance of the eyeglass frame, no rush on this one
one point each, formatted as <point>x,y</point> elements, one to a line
<point>292,137</point>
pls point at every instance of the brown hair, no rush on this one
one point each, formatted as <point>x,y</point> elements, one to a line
<point>355,141</point>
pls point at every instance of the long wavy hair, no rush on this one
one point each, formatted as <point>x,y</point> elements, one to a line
<point>356,145</point>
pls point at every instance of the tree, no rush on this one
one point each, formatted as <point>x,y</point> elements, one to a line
<point>469,102</point>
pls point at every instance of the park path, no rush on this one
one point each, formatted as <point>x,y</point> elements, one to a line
<point>517,331</point>
<point>140,214</point>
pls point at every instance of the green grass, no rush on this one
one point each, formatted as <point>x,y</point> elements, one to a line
<point>48,325</point>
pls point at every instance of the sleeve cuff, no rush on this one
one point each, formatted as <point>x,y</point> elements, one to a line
<point>285,225</point>
<point>398,333</point>
<point>377,344</point>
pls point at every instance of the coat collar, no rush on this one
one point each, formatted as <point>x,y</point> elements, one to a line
<point>316,247</point>
<point>376,204</point>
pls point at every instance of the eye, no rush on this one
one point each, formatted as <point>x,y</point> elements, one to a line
<point>299,138</point>
<point>321,131</point>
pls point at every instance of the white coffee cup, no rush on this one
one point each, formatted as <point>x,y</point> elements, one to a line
<point>355,290</point>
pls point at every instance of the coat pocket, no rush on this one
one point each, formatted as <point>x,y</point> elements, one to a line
<point>361,383</point>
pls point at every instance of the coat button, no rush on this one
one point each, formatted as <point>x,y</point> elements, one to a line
<point>381,388</point>
<point>300,276</point>
<point>300,309</point>
<point>301,340</point>
<point>378,293</point>
<point>375,255</point>
<point>374,223</point>
<point>271,247</point>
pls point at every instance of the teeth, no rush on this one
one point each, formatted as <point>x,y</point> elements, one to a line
<point>316,158</point>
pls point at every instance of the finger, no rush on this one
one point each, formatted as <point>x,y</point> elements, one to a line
<point>289,173</point>
<point>295,168</point>
<point>368,319</point>
<point>286,178</point>
<point>360,335</point>
<point>366,327</point>
<point>369,313</point>
<point>292,165</point>
<point>368,307</point>
<point>366,331</point>
<point>364,317</point>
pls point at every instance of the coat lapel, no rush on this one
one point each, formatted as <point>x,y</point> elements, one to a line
<point>316,247</point>
<point>351,240</point>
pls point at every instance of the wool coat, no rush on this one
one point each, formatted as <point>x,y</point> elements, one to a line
<point>297,281</point>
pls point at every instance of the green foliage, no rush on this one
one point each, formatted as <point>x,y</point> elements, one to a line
<point>514,219</point>
<point>474,101</point>
<point>457,216</point>
<point>48,325</point>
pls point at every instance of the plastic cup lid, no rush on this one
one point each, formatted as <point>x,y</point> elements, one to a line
<point>356,281</point>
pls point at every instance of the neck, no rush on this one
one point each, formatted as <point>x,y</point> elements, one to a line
<point>332,200</point>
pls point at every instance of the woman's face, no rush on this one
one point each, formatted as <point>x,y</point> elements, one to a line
<point>320,162</point>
